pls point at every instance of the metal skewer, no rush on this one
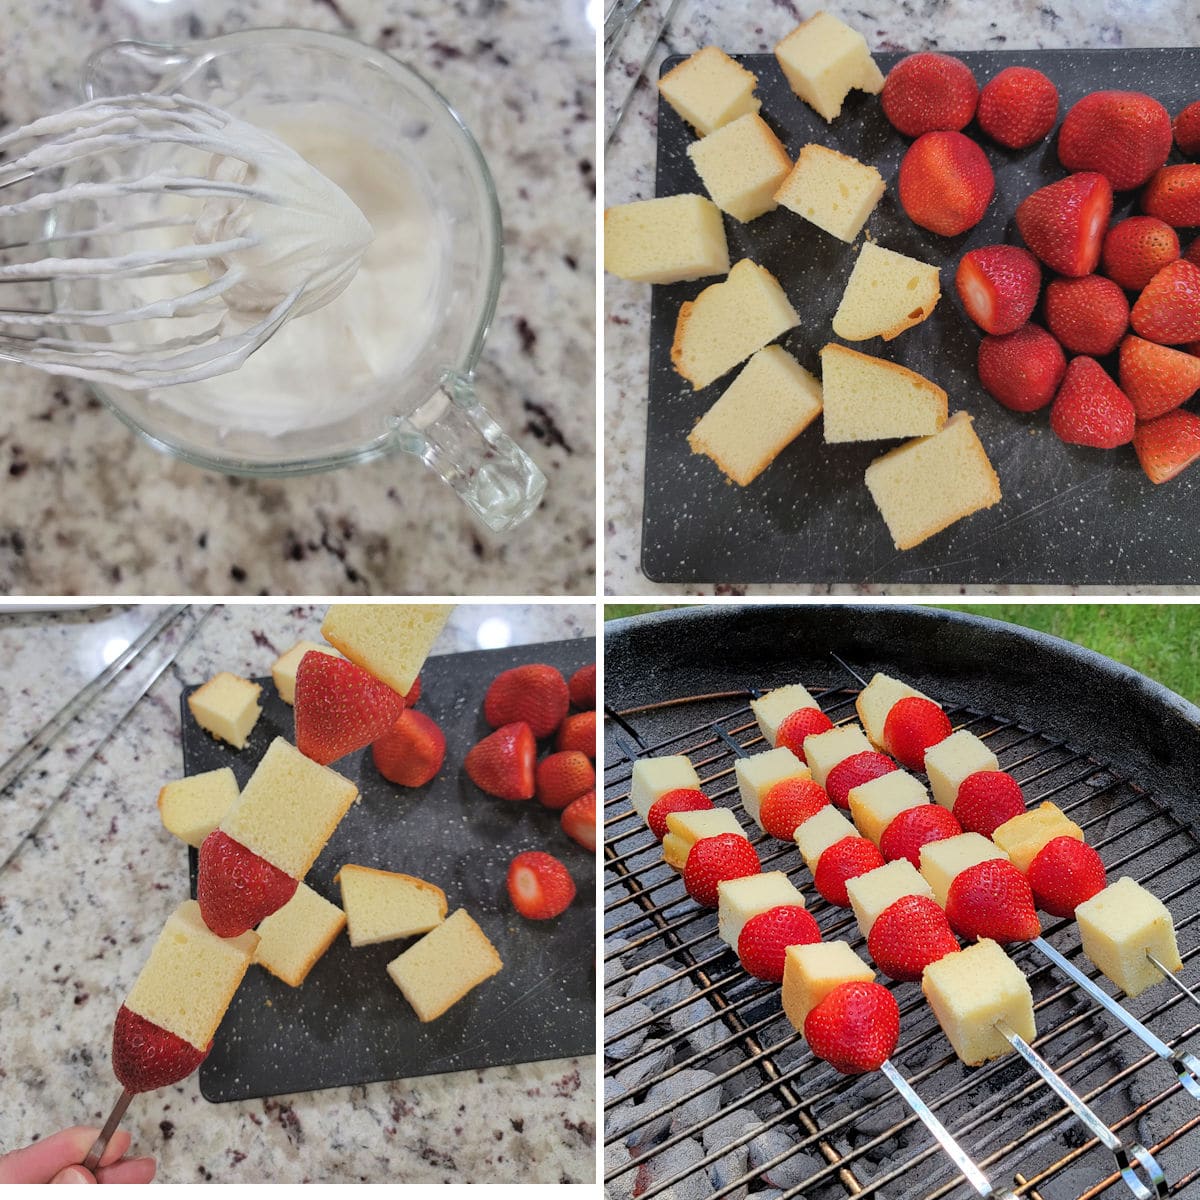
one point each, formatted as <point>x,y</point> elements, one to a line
<point>1175,982</point>
<point>637,82</point>
<point>96,1153</point>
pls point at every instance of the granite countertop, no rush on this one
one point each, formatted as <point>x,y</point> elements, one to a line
<point>88,508</point>
<point>894,25</point>
<point>82,898</point>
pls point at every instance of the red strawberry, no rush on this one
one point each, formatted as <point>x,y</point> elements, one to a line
<point>924,92</point>
<point>908,935</point>
<point>411,753</point>
<point>414,693</point>
<point>340,708</point>
<point>1168,310</point>
<point>582,687</point>
<point>847,859</point>
<point>1063,874</point>
<point>1063,223</point>
<point>535,693</point>
<point>795,727</point>
<point>236,888</point>
<point>1088,315</point>
<point>1022,370</point>
<point>714,859</point>
<point>676,800</point>
<point>502,764</point>
<point>1018,107</point>
<point>1136,248</point>
<point>1126,136</point>
<point>945,183</point>
<point>1090,410</point>
<point>788,803</point>
<point>539,886</point>
<point>986,800</point>
<point>909,830</point>
<point>563,776</point>
<point>1167,445</point>
<point>764,939</point>
<point>850,772</point>
<point>1186,128</point>
<point>998,287</point>
<point>145,1057</point>
<point>911,727</point>
<point>579,820</point>
<point>855,1028</point>
<point>578,732</point>
<point>1156,378</point>
<point>1173,195</point>
<point>992,899</point>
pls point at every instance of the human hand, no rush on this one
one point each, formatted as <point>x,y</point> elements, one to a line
<point>57,1159</point>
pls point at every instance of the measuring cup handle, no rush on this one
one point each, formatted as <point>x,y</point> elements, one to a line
<point>459,440</point>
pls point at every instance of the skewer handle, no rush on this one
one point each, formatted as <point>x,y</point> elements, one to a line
<point>96,1153</point>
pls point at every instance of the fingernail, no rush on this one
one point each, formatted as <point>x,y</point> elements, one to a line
<point>73,1175</point>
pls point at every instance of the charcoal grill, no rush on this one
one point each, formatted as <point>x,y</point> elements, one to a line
<point>1120,754</point>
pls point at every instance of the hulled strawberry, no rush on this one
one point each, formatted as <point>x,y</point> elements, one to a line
<point>236,888</point>
<point>926,92</point>
<point>579,820</point>
<point>1168,310</point>
<point>676,800</point>
<point>1090,410</point>
<point>998,287</point>
<point>578,732</point>
<point>850,772</point>
<point>1186,128</point>
<point>411,753</point>
<point>763,942</point>
<point>911,829</point>
<point>908,935</point>
<point>1156,378</point>
<point>1063,874</point>
<point>1088,314</point>
<point>1022,370</point>
<point>502,764</point>
<point>539,886</point>
<point>945,183</point>
<point>146,1057</point>
<point>1173,195</point>
<point>993,900</point>
<point>911,727</point>
<point>795,727</point>
<point>986,800</point>
<point>1126,136</point>
<point>1063,223</point>
<point>1018,107</point>
<point>535,693</point>
<point>414,693</point>
<point>340,708</point>
<point>855,1028</point>
<point>582,687</point>
<point>714,859</point>
<point>1167,445</point>
<point>1136,249</point>
<point>789,803</point>
<point>562,777</point>
<point>847,859</point>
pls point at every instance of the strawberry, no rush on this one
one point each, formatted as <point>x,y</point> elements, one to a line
<point>850,772</point>
<point>1017,107</point>
<point>847,859</point>
<point>1063,874</point>
<point>1063,223</point>
<point>1173,195</point>
<point>1126,136</point>
<point>502,763</point>
<point>579,820</point>
<point>945,183</point>
<point>578,732</point>
<point>563,776</point>
<point>1088,315</point>
<point>1090,410</point>
<point>992,899</point>
<point>986,800</point>
<point>795,727</point>
<point>909,830</point>
<point>582,687</point>
<point>908,935</point>
<point>763,942</point>
<point>911,727</point>
<point>1156,378</point>
<point>676,800</point>
<point>998,287</point>
<point>1168,310</point>
<point>714,859</point>
<point>1186,128</point>
<point>855,1028</point>
<point>1022,370</point>
<point>236,888</point>
<point>340,708</point>
<point>1192,253</point>
<point>414,693</point>
<point>539,886</point>
<point>146,1057</point>
<point>1167,445</point>
<point>788,803</point>
<point>411,753</point>
<point>1135,249</point>
<point>535,693</point>
<point>926,92</point>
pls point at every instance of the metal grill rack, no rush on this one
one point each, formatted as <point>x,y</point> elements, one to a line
<point>767,1114</point>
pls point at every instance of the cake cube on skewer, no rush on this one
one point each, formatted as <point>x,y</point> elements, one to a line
<point>227,707</point>
<point>391,641</point>
<point>685,829</point>
<point>833,191</point>
<point>293,938</point>
<point>823,58</point>
<point>654,777</point>
<point>192,807</point>
<point>710,89</point>
<point>1023,836</point>
<point>810,973</point>
<point>876,803</point>
<point>819,832</point>
<point>949,762</point>
<point>283,670</point>
<point>1119,925</point>
<point>671,239</point>
<point>439,970</point>
<point>740,899</point>
<point>942,861</point>
<point>742,165</point>
<point>759,773</point>
<point>876,700</point>
<point>823,751</point>
<point>875,890</point>
<point>382,906</point>
<point>771,710</point>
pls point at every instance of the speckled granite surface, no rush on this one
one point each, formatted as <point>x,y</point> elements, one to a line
<point>87,508</point>
<point>629,175</point>
<point>81,899</point>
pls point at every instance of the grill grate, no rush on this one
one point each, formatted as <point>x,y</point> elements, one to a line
<point>769,1114</point>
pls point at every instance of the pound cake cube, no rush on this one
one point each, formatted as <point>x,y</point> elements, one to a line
<point>227,707</point>
<point>823,751</point>
<point>886,294</point>
<point>868,399</point>
<point>810,973</point>
<point>685,829</point>
<point>283,671</point>
<point>833,191</point>
<point>771,710</point>
<point>669,240</point>
<point>191,808</point>
<point>654,777</point>
<point>1023,836</point>
<point>190,977</point>
<point>728,322</point>
<point>294,937</point>
<point>876,700</point>
<point>440,969</point>
<point>382,906</point>
<point>771,402</point>
<point>876,890</point>
<point>759,773</point>
<point>740,899</point>
<point>950,762</point>
<point>289,809</point>
<point>742,166</point>
<point>391,641</point>
<point>709,90</point>
<point>823,58</point>
<point>924,486</point>
<point>942,862</point>
<point>874,805</point>
<point>969,991</point>
<point>1118,925</point>
<point>819,832</point>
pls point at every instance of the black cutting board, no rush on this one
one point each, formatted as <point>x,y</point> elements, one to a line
<point>1069,515</point>
<point>348,1023</point>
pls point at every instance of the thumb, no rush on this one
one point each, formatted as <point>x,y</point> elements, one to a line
<point>74,1175</point>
